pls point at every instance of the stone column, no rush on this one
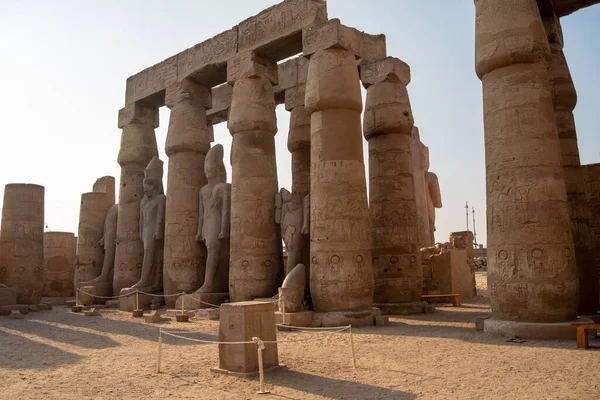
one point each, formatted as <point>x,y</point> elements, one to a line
<point>138,146</point>
<point>255,262</point>
<point>417,149</point>
<point>532,274</point>
<point>22,241</point>
<point>341,273</point>
<point>188,141</point>
<point>388,125</point>
<point>59,263</point>
<point>92,212</point>
<point>565,99</point>
<point>591,180</point>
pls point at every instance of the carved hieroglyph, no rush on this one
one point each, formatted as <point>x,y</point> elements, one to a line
<point>565,99</point>
<point>138,146</point>
<point>59,263</point>
<point>388,125</point>
<point>532,274</point>
<point>214,222</point>
<point>22,241</point>
<point>92,216</point>
<point>188,141</point>
<point>152,229</point>
<point>255,265</point>
<point>341,276</point>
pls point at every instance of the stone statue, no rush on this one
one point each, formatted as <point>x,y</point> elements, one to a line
<point>292,289</point>
<point>151,227</point>
<point>108,242</point>
<point>432,192</point>
<point>214,222</point>
<point>293,216</point>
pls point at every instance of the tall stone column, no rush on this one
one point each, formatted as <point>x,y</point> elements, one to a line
<point>255,262</point>
<point>388,125</point>
<point>591,180</point>
<point>341,273</point>
<point>188,141</point>
<point>417,149</point>
<point>138,146</point>
<point>565,99</point>
<point>59,263</point>
<point>22,241</point>
<point>532,274</point>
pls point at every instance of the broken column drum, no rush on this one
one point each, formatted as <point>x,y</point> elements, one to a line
<point>138,146</point>
<point>255,265</point>
<point>388,125</point>
<point>188,141</point>
<point>532,274</point>
<point>565,99</point>
<point>341,276</point>
<point>22,242</point>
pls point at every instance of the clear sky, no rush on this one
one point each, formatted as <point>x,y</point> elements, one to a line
<point>64,64</point>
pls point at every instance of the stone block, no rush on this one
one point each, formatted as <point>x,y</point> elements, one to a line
<point>182,318</point>
<point>345,318</point>
<point>112,303</point>
<point>268,300</point>
<point>251,65</point>
<point>8,296</point>
<point>129,303</point>
<point>221,101</point>
<point>389,68</point>
<point>39,307</point>
<point>153,317</point>
<point>137,313</point>
<point>429,308</point>
<point>275,31</point>
<point>174,312</point>
<point>91,312</point>
<point>77,309</point>
<point>294,97</point>
<point>302,318</point>
<point>208,313</point>
<point>534,330</point>
<point>195,301</point>
<point>22,308</point>
<point>382,320</point>
<point>240,322</point>
<point>86,295</point>
<point>70,303</point>
<point>334,35</point>
<point>151,80</point>
<point>417,307</point>
<point>291,73</point>
<point>479,320</point>
<point>16,314</point>
<point>138,114</point>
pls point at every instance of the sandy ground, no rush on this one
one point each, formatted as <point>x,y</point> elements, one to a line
<point>60,355</point>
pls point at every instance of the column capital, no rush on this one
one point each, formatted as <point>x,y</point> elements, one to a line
<point>188,91</point>
<point>251,65</point>
<point>137,113</point>
<point>387,69</point>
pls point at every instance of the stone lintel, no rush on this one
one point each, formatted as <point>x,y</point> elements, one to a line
<point>188,91</point>
<point>137,113</point>
<point>291,73</point>
<point>251,65</point>
<point>334,35</point>
<point>221,101</point>
<point>387,69</point>
<point>294,97</point>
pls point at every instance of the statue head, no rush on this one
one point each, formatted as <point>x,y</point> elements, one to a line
<point>153,178</point>
<point>213,164</point>
<point>424,157</point>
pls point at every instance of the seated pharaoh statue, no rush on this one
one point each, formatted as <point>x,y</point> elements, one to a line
<point>151,230</point>
<point>214,223</point>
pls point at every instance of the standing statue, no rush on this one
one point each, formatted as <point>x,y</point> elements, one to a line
<point>214,222</point>
<point>103,282</point>
<point>151,228</point>
<point>293,215</point>
<point>432,191</point>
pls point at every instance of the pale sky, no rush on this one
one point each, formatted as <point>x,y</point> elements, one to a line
<point>65,62</point>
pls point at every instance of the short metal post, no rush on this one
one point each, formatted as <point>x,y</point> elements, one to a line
<point>159,350</point>
<point>352,347</point>
<point>282,306</point>
<point>137,300</point>
<point>77,297</point>
<point>182,303</point>
<point>260,347</point>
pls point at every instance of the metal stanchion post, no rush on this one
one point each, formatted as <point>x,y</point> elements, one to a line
<point>137,300</point>
<point>352,347</point>
<point>77,297</point>
<point>159,350</point>
<point>260,345</point>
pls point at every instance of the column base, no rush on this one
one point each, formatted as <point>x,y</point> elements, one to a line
<point>196,301</point>
<point>534,330</point>
<point>128,303</point>
<point>103,289</point>
<point>344,318</point>
<point>302,318</point>
<point>417,307</point>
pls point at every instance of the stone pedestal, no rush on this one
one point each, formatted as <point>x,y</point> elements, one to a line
<point>345,318</point>
<point>86,295</point>
<point>241,322</point>
<point>532,275</point>
<point>188,141</point>
<point>138,146</point>
<point>59,263</point>
<point>201,300</point>
<point>450,272</point>
<point>388,125</point>
<point>341,277</point>
<point>128,303</point>
<point>300,318</point>
<point>255,264</point>
<point>8,296</point>
<point>533,330</point>
<point>21,241</point>
<point>409,308</point>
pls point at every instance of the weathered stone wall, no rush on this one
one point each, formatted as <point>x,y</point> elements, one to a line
<point>59,263</point>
